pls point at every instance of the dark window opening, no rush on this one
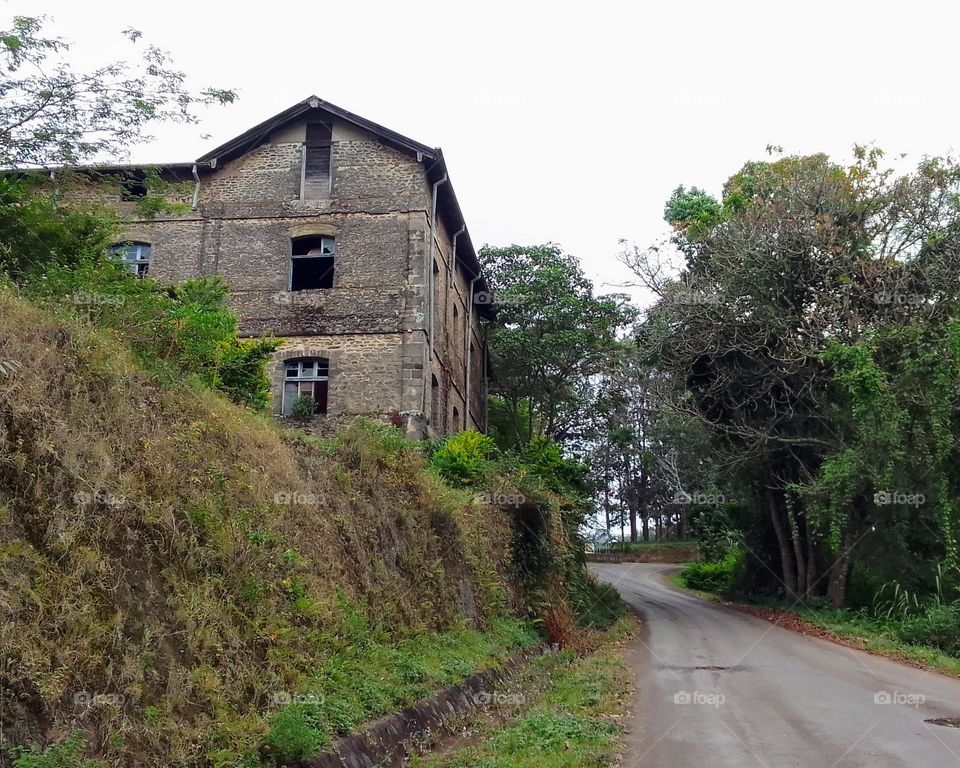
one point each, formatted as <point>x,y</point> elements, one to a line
<point>306,377</point>
<point>434,402</point>
<point>316,161</point>
<point>456,417</point>
<point>312,263</point>
<point>133,186</point>
<point>136,256</point>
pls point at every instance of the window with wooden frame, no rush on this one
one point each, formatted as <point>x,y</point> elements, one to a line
<point>316,173</point>
<point>311,263</point>
<point>305,377</point>
<point>136,256</point>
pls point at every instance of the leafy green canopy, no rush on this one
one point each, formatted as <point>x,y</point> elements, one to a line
<point>813,333</point>
<point>551,335</point>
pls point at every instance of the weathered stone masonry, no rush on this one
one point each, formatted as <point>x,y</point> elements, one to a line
<point>373,325</point>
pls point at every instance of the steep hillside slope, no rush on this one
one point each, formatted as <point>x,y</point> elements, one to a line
<point>181,584</point>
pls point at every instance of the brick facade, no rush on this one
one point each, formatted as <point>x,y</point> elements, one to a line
<point>373,324</point>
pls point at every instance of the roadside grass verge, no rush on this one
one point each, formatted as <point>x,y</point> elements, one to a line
<point>574,720</point>
<point>844,626</point>
<point>879,637</point>
<point>368,678</point>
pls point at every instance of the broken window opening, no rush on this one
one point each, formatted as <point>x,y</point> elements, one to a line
<point>133,186</point>
<point>305,376</point>
<point>136,256</point>
<point>311,264</point>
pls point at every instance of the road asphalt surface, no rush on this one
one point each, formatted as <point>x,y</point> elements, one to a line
<point>717,688</point>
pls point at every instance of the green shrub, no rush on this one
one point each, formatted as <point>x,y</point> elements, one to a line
<point>67,754</point>
<point>175,331</point>
<point>464,458</point>
<point>719,577</point>
<point>543,458</point>
<point>595,603</point>
<point>938,627</point>
<point>295,733</point>
<point>304,407</point>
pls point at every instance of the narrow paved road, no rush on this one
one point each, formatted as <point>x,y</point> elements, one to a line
<point>720,689</point>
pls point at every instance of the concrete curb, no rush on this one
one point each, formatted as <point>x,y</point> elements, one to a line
<point>386,742</point>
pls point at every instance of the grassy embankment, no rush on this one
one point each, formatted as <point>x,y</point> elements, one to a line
<point>183,584</point>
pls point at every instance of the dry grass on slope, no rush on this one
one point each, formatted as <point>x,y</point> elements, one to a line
<point>183,560</point>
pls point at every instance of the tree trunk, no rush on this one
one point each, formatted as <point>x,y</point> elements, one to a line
<point>839,575</point>
<point>812,577</point>
<point>631,497</point>
<point>794,530</point>
<point>645,522</point>
<point>787,566</point>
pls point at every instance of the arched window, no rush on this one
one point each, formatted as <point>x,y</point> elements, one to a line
<point>135,255</point>
<point>305,377</point>
<point>311,264</point>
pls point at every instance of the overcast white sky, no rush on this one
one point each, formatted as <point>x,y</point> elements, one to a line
<point>561,122</point>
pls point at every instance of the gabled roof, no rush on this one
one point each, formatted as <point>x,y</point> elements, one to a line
<point>432,157</point>
<point>252,138</point>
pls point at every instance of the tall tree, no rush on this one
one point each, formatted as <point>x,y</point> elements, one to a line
<point>551,337</point>
<point>779,336</point>
<point>51,114</point>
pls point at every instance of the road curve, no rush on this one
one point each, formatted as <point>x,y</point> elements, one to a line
<point>717,688</point>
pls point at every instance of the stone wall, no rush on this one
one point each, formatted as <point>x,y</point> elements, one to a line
<point>373,324</point>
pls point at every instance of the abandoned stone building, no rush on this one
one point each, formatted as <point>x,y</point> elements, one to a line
<point>341,237</point>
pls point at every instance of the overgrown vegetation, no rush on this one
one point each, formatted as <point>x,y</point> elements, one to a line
<point>547,496</point>
<point>172,565</point>
<point>574,721</point>
<point>718,576</point>
<point>57,257</point>
<point>189,586</point>
<point>803,368</point>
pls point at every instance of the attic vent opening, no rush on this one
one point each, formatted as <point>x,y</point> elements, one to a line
<point>311,263</point>
<point>316,162</point>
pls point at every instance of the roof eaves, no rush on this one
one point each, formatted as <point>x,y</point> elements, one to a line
<point>251,138</point>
